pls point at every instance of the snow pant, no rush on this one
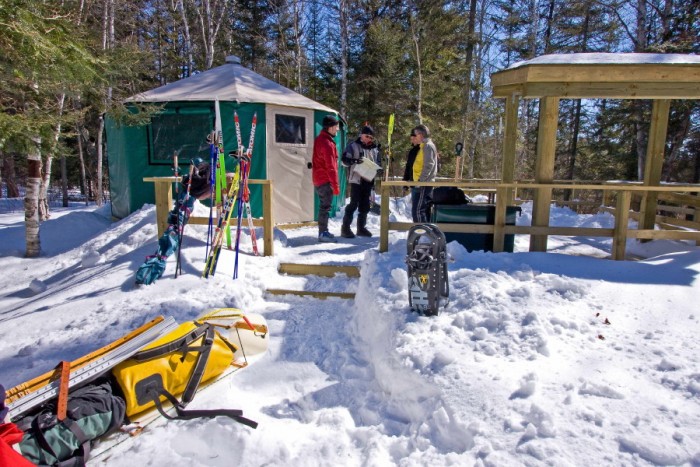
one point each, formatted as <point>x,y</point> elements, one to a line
<point>325,198</point>
<point>421,197</point>
<point>360,194</point>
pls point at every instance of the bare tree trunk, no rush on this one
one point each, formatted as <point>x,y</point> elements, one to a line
<point>298,37</point>
<point>344,33</point>
<point>99,200</point>
<point>64,182</point>
<point>469,60</point>
<point>211,14</point>
<point>419,97</point>
<point>638,115</point>
<point>180,7</point>
<point>83,180</point>
<point>8,170</point>
<point>31,201</point>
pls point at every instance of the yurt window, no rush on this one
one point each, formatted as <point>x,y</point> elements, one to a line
<point>181,130</point>
<point>290,129</point>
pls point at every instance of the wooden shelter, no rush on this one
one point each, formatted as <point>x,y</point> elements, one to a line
<point>550,78</point>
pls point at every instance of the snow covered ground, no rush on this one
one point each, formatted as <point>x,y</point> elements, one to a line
<point>557,358</point>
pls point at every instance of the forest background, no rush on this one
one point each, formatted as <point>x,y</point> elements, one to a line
<point>64,64</point>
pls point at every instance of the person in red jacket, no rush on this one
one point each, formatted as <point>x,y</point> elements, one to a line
<point>10,434</point>
<point>324,170</point>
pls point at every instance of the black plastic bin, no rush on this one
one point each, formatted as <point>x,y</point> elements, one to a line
<point>474,214</point>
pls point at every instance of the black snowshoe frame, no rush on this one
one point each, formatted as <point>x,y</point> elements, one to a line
<point>426,259</point>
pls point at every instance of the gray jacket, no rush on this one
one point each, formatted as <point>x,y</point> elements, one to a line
<point>354,152</point>
<point>429,170</point>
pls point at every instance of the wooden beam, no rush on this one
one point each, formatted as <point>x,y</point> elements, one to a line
<point>654,160</point>
<point>326,270</point>
<point>384,219</point>
<point>621,220</point>
<point>665,235</point>
<point>544,168</point>
<point>311,293</point>
<point>607,73</point>
<point>509,142</point>
<point>601,90</point>
<point>268,219</point>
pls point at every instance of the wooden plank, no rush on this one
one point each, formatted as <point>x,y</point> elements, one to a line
<point>665,235</point>
<point>296,225</point>
<point>562,231</point>
<point>674,73</point>
<point>589,90</point>
<point>559,185</point>
<point>268,220</point>
<point>621,220</point>
<point>384,218</point>
<point>654,160</point>
<point>500,221</point>
<point>311,293</point>
<point>544,168</point>
<point>510,139</point>
<point>326,270</point>
<point>680,198</point>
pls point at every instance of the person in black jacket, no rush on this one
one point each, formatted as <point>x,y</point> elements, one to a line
<point>363,148</point>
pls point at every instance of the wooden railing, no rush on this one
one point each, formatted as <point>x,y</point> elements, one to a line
<point>164,203</point>
<point>504,196</point>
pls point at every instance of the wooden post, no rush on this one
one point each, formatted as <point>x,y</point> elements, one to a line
<point>654,161</point>
<point>510,139</point>
<point>268,221</point>
<point>384,220</point>
<point>544,168</point>
<point>500,219</point>
<point>622,214</point>
<point>164,200</point>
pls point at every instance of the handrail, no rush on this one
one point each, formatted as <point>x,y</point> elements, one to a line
<point>164,201</point>
<point>620,233</point>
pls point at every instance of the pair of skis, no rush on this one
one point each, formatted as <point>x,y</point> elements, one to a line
<point>239,184</point>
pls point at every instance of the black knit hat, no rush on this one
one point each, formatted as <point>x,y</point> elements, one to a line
<point>367,130</point>
<point>200,178</point>
<point>329,121</point>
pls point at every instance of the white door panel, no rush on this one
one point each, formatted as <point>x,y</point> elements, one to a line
<point>288,164</point>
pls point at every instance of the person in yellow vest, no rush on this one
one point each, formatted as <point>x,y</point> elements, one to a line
<point>424,170</point>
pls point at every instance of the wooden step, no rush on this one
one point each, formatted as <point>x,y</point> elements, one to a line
<point>311,293</point>
<point>326,270</point>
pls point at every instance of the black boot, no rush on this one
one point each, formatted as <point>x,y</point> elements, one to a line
<point>345,232</point>
<point>361,223</point>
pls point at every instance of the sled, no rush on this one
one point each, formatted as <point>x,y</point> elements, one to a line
<point>247,332</point>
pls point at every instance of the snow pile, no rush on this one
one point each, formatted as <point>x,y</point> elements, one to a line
<point>539,359</point>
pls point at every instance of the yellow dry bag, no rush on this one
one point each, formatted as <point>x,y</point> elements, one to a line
<point>175,364</point>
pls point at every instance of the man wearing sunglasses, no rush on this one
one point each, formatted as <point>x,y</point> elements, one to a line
<point>421,166</point>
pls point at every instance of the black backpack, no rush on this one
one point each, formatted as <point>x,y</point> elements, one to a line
<point>93,411</point>
<point>449,195</point>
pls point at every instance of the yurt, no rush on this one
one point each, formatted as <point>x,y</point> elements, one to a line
<point>287,124</point>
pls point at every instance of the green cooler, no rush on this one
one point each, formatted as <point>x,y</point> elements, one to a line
<point>474,214</point>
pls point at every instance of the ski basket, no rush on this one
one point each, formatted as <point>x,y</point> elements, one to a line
<point>428,285</point>
<point>175,365</point>
<point>93,411</point>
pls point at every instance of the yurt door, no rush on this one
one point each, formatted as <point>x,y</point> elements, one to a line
<point>289,153</point>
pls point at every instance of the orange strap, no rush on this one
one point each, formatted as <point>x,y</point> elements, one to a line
<point>62,405</point>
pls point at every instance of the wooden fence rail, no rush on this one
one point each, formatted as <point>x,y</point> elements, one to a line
<point>619,233</point>
<point>164,203</point>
